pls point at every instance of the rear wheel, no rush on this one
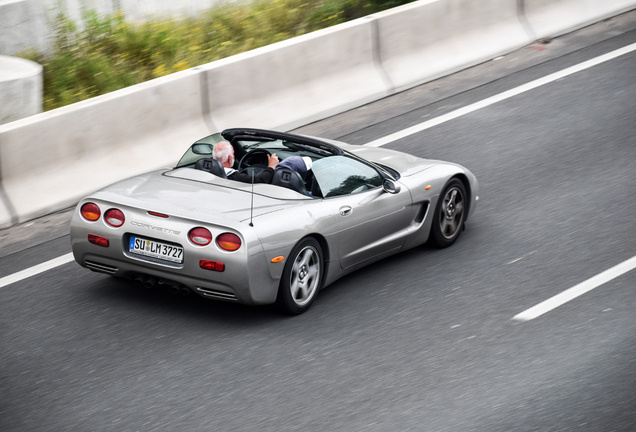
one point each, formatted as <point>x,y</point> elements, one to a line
<point>450,214</point>
<point>302,278</point>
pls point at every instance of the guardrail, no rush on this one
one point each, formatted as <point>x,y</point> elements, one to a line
<point>291,83</point>
<point>50,160</point>
<point>549,18</point>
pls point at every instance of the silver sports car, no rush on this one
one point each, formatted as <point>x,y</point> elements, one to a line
<point>194,230</point>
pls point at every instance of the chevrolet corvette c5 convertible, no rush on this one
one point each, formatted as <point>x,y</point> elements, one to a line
<point>192,229</point>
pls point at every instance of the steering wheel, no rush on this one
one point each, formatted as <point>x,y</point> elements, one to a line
<point>245,161</point>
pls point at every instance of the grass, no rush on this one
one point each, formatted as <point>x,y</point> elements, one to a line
<point>107,53</point>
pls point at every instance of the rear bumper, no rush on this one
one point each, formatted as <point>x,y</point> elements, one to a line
<point>245,278</point>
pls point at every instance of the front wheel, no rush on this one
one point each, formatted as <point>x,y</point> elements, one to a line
<point>450,214</point>
<point>302,278</point>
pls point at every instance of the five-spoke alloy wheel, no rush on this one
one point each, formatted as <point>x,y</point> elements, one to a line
<point>450,214</point>
<point>302,277</point>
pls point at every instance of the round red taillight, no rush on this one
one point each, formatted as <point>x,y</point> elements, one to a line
<point>90,212</point>
<point>229,242</point>
<point>200,236</point>
<point>114,218</point>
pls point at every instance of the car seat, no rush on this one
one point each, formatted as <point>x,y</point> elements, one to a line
<point>212,166</point>
<point>290,179</point>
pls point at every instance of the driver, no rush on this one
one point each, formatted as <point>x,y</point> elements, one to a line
<point>224,153</point>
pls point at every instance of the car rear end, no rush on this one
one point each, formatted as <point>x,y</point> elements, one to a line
<point>152,246</point>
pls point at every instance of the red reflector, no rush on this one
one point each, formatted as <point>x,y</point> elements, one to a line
<point>161,215</point>
<point>98,240</point>
<point>229,242</point>
<point>200,236</point>
<point>90,212</point>
<point>212,265</point>
<point>114,217</point>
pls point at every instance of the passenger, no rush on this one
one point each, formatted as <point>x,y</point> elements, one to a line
<point>300,164</point>
<point>224,153</point>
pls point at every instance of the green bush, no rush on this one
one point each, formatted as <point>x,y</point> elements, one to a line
<point>107,53</point>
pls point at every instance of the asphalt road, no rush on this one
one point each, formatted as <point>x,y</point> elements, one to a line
<point>423,341</point>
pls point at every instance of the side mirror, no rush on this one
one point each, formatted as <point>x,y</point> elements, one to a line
<point>390,186</point>
<point>202,149</point>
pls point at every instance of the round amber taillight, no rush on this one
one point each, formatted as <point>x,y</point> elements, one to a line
<point>200,236</point>
<point>114,218</point>
<point>90,212</point>
<point>229,242</point>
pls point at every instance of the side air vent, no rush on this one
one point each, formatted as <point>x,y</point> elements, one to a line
<point>421,214</point>
<point>101,268</point>
<point>218,295</point>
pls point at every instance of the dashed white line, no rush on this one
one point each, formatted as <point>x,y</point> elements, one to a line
<point>500,97</point>
<point>519,259</point>
<point>576,291</point>
<point>40,268</point>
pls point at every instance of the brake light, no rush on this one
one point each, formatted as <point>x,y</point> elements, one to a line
<point>114,218</point>
<point>90,212</point>
<point>98,240</point>
<point>161,215</point>
<point>229,242</point>
<point>200,236</point>
<point>211,265</point>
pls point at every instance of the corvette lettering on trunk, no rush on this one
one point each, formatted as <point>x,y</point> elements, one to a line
<point>153,227</point>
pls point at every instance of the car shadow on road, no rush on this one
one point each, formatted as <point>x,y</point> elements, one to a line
<point>160,301</point>
<point>354,291</point>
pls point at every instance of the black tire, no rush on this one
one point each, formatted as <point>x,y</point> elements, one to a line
<point>302,278</point>
<point>450,215</point>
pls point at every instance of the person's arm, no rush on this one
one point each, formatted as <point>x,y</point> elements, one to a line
<point>272,160</point>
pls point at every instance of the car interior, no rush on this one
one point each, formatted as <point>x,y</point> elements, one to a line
<point>251,150</point>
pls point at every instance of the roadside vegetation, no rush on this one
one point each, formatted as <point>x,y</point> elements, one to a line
<point>107,53</point>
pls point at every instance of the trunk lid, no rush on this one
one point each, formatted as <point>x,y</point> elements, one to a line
<point>199,195</point>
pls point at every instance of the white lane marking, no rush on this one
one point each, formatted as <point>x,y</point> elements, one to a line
<point>500,97</point>
<point>576,291</point>
<point>40,268</point>
<point>519,259</point>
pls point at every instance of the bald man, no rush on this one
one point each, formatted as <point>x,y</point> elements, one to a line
<point>224,153</point>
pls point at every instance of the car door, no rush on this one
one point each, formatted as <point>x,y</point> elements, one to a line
<point>371,222</point>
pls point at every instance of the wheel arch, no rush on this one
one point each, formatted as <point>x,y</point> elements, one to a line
<point>324,246</point>
<point>464,179</point>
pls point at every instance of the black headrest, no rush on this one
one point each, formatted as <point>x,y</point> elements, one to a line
<point>211,165</point>
<point>290,179</point>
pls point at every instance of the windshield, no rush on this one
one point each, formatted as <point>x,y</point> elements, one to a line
<point>200,149</point>
<point>342,175</point>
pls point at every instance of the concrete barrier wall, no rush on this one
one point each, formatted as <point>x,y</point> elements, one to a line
<point>49,161</point>
<point>549,18</point>
<point>425,40</point>
<point>20,28</point>
<point>294,82</point>
<point>27,24</point>
<point>21,84</point>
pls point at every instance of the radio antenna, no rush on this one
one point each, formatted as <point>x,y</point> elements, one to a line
<point>252,203</point>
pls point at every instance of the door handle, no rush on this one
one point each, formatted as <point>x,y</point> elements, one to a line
<point>345,210</point>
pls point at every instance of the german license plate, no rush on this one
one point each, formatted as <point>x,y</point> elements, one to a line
<point>155,249</point>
